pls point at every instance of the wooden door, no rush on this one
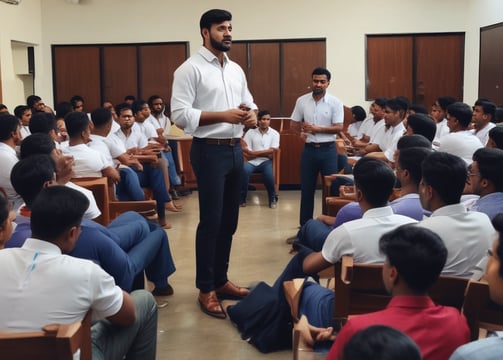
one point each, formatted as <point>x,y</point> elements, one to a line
<point>120,72</point>
<point>439,67</point>
<point>299,60</point>
<point>157,63</point>
<point>76,71</point>
<point>491,59</point>
<point>389,66</point>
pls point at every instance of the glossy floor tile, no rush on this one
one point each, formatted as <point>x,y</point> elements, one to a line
<point>259,252</point>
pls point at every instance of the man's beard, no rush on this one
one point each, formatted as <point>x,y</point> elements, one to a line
<point>219,45</point>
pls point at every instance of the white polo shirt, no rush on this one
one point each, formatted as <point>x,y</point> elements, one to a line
<point>146,128</point>
<point>460,143</point>
<point>8,159</point>
<point>467,236</point>
<point>98,144</point>
<point>442,130</point>
<point>92,211</point>
<point>87,162</point>
<point>483,134</point>
<point>325,112</point>
<point>365,127</point>
<point>377,132</point>
<point>257,141</point>
<point>390,138</point>
<point>40,286</point>
<point>360,237</point>
<point>135,139</point>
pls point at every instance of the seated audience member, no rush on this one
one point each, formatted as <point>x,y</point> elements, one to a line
<point>460,141</point>
<point>10,137</point>
<point>489,348</point>
<point>42,143</point>
<point>124,249</point>
<point>374,181</point>
<point>150,175</point>
<point>23,113</point>
<point>486,179</point>
<point>439,114</point>
<point>42,122</point>
<point>358,114</point>
<point>408,173</point>
<point>495,137</point>
<point>414,260</point>
<point>379,342</point>
<point>77,102</point>
<point>384,145</point>
<point>87,162</point>
<point>35,103</point>
<point>129,99</point>
<point>128,188</point>
<point>421,124</point>
<point>156,140</point>
<point>7,217</point>
<point>58,288</point>
<point>62,109</point>
<point>483,119</point>
<point>467,235</point>
<point>108,105</point>
<point>258,148</point>
<point>416,109</point>
<point>370,127</point>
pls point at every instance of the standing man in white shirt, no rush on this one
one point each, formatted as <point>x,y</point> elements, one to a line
<point>317,116</point>
<point>211,101</point>
<point>258,147</point>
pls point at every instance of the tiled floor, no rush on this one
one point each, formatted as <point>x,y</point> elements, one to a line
<point>259,252</point>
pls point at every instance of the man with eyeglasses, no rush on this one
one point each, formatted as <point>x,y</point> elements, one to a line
<point>466,234</point>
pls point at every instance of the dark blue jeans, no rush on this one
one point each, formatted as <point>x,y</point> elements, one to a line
<point>314,161</point>
<point>153,177</point>
<point>129,188</point>
<point>219,171</point>
<point>265,168</point>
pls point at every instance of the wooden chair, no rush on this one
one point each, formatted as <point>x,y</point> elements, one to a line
<point>359,290</point>
<point>109,206</point>
<point>480,310</point>
<point>58,342</point>
<point>257,180</point>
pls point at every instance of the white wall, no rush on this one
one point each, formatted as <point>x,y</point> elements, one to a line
<point>343,23</point>
<point>21,24</point>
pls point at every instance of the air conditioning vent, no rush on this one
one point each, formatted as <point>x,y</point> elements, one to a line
<point>12,2</point>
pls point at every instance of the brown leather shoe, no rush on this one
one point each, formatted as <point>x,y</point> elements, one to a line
<point>210,305</point>
<point>231,291</point>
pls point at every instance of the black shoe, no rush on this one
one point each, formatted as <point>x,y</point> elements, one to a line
<point>184,192</point>
<point>273,204</point>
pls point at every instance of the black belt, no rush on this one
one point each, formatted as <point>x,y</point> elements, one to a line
<point>322,144</point>
<point>212,141</point>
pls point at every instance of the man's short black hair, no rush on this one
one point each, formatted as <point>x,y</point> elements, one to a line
<point>410,159</point>
<point>62,109</point>
<point>214,16</point>
<point>381,102</point>
<point>322,71</point>
<point>19,110</point>
<point>55,210</point>
<point>75,99</point>
<point>375,180</point>
<point>121,107</point>
<point>32,99</point>
<point>490,165</point>
<point>422,124</point>
<point>29,175</point>
<point>380,342</point>
<point>462,112</point>
<point>359,113</point>
<point>129,98</point>
<point>42,122</point>
<point>8,125</point>
<point>151,99</point>
<point>496,135</point>
<point>262,113</point>
<point>397,104</point>
<point>446,174</point>
<point>487,106</point>
<point>418,254</point>
<point>101,117</point>
<point>418,109</point>
<point>414,140</point>
<point>138,106</point>
<point>38,143</point>
<point>445,101</point>
<point>76,123</point>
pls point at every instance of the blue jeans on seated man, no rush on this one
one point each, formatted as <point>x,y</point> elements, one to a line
<point>265,168</point>
<point>129,188</point>
<point>174,179</point>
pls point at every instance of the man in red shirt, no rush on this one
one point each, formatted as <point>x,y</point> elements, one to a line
<point>414,259</point>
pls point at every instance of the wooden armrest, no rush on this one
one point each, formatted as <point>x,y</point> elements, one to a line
<point>347,269</point>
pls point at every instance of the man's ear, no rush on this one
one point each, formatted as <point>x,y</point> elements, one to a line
<point>393,275</point>
<point>358,194</point>
<point>205,33</point>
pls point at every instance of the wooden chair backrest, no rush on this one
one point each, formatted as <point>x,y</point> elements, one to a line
<point>480,311</point>
<point>58,342</point>
<point>101,192</point>
<point>359,289</point>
